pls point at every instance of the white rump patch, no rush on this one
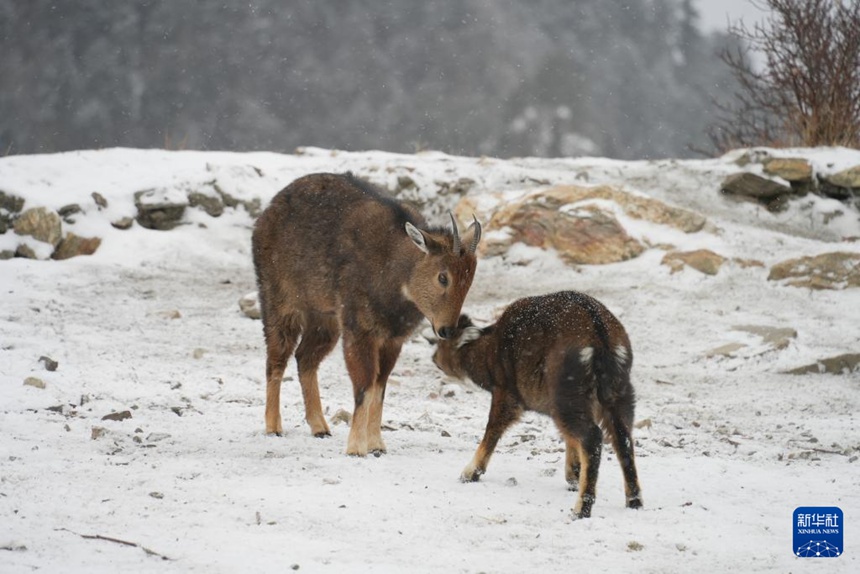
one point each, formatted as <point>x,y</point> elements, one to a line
<point>469,334</point>
<point>621,354</point>
<point>585,356</point>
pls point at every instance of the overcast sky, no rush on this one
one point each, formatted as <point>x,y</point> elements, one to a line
<point>717,13</point>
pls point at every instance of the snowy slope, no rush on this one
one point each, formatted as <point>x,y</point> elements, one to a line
<point>727,448</point>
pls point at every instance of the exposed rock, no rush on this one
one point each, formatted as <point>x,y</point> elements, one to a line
<point>747,263</point>
<point>770,339</point>
<point>635,206</point>
<point>843,185</point>
<point>840,364</point>
<point>583,236</point>
<point>790,169</point>
<point>31,248</point>
<point>569,212</point>
<point>727,350</point>
<point>10,207</point>
<point>777,338</point>
<point>159,209</point>
<point>404,182</point>
<point>752,187</point>
<point>703,260</point>
<point>210,204</point>
<point>848,178</point>
<point>459,187</point>
<point>40,223</point>
<point>73,245</point>
<point>252,206</point>
<point>250,305</point>
<point>838,270</point>
<point>571,220</point>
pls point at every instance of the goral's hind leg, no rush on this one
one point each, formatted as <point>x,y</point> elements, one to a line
<point>572,466</point>
<point>319,337</point>
<point>280,336</point>
<point>622,442</point>
<point>589,447</point>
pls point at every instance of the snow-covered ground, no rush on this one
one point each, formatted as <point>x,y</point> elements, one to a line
<point>727,447</point>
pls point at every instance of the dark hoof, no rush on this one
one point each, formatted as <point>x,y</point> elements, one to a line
<point>377,453</point>
<point>322,434</point>
<point>635,503</point>
<point>573,486</point>
<point>278,434</point>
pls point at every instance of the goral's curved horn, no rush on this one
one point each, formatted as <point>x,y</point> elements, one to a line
<point>456,234</point>
<point>477,237</point>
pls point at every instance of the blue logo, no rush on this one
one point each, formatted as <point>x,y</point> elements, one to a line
<point>818,532</point>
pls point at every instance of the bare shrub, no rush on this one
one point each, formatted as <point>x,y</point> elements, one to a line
<point>799,77</point>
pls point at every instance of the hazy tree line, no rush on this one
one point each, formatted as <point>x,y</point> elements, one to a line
<point>620,78</point>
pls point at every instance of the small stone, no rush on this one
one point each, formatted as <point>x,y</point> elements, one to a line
<point>120,416</point>
<point>73,246</point>
<point>50,364</point>
<point>123,223</point>
<point>634,546</point>
<point>511,482</point>
<point>34,382</point>
<point>198,353</point>
<point>67,211</point>
<point>157,495</point>
<point>250,305</point>
<point>100,200</point>
<point>97,432</point>
<point>341,416</point>
<point>702,260</point>
<point>157,436</point>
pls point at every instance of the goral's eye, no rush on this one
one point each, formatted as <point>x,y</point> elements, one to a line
<point>443,279</point>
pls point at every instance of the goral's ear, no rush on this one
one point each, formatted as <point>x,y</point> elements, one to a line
<point>430,336</point>
<point>423,240</point>
<point>417,236</point>
<point>469,334</point>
